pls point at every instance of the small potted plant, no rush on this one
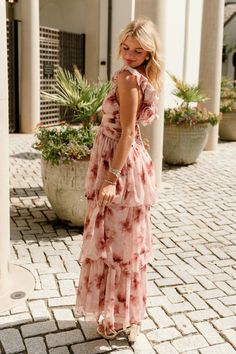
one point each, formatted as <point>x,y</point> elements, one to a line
<point>227,127</point>
<point>66,148</point>
<point>186,125</point>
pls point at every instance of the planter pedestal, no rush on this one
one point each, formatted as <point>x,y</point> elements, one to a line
<point>183,144</point>
<point>64,185</point>
<point>227,127</point>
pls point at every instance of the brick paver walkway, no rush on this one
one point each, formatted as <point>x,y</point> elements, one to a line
<point>192,280</point>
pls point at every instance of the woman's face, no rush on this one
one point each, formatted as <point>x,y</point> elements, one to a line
<point>132,53</point>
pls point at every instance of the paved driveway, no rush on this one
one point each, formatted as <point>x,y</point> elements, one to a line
<point>192,279</point>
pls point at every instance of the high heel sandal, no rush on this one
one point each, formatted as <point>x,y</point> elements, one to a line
<point>112,333</point>
<point>133,331</point>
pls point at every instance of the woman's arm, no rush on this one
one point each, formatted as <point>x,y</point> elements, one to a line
<point>129,98</point>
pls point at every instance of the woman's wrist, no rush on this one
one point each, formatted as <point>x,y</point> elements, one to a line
<point>109,182</point>
<point>110,176</point>
<point>115,172</point>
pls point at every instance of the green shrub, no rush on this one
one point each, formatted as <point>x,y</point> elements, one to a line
<point>185,113</point>
<point>82,102</point>
<point>65,143</point>
<point>228,95</point>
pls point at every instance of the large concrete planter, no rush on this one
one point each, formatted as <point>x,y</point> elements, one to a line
<point>183,144</point>
<point>64,188</point>
<point>227,127</point>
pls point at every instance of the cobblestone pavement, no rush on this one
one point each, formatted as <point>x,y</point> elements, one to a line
<point>192,279</point>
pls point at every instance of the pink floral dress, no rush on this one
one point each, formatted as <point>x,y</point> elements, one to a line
<point>117,242</point>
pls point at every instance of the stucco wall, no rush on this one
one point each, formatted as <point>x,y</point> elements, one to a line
<point>64,15</point>
<point>92,22</point>
<point>79,16</point>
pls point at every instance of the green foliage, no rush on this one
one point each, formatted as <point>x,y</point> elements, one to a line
<point>80,98</point>
<point>82,102</point>
<point>65,143</point>
<point>189,116</point>
<point>185,113</point>
<point>228,95</point>
<point>187,93</point>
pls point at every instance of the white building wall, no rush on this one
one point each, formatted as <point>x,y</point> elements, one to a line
<point>76,16</point>
<point>65,15</point>
<point>92,39</point>
<point>103,39</point>
<point>146,9</point>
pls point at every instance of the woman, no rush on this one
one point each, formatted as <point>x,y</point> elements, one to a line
<point>120,188</point>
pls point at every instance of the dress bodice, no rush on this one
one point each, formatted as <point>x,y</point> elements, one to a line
<point>136,183</point>
<point>110,124</point>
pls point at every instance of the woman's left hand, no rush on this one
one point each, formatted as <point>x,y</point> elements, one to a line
<point>106,194</point>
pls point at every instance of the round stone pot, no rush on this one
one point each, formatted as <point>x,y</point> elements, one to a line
<point>64,185</point>
<point>227,126</point>
<point>183,144</point>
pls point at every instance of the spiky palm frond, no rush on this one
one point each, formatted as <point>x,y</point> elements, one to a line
<point>185,113</point>
<point>76,94</point>
<point>187,93</point>
<point>66,90</point>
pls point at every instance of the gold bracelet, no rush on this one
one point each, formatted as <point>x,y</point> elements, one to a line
<point>115,172</point>
<point>110,182</point>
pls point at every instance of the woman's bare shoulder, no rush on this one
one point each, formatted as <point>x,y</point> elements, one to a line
<point>126,79</point>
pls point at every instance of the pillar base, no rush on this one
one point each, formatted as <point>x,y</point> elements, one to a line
<point>21,284</point>
<point>213,136</point>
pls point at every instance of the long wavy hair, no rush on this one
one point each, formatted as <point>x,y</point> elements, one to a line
<point>144,31</point>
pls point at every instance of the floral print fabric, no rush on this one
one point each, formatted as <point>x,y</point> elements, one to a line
<point>136,185</point>
<point>117,241</point>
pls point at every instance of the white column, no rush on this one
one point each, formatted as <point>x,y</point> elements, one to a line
<point>4,174</point>
<point>158,128</point>
<point>15,282</point>
<point>186,41</point>
<point>155,131</point>
<point>211,60</point>
<point>30,66</point>
<point>122,13</point>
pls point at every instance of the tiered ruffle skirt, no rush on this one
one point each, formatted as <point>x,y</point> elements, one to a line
<point>117,240</point>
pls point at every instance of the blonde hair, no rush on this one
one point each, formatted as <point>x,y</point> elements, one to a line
<point>144,31</point>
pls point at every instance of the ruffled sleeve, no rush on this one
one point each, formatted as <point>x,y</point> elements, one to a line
<point>148,110</point>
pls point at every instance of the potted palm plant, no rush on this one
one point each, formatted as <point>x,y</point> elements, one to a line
<point>186,125</point>
<point>66,148</point>
<point>227,127</point>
